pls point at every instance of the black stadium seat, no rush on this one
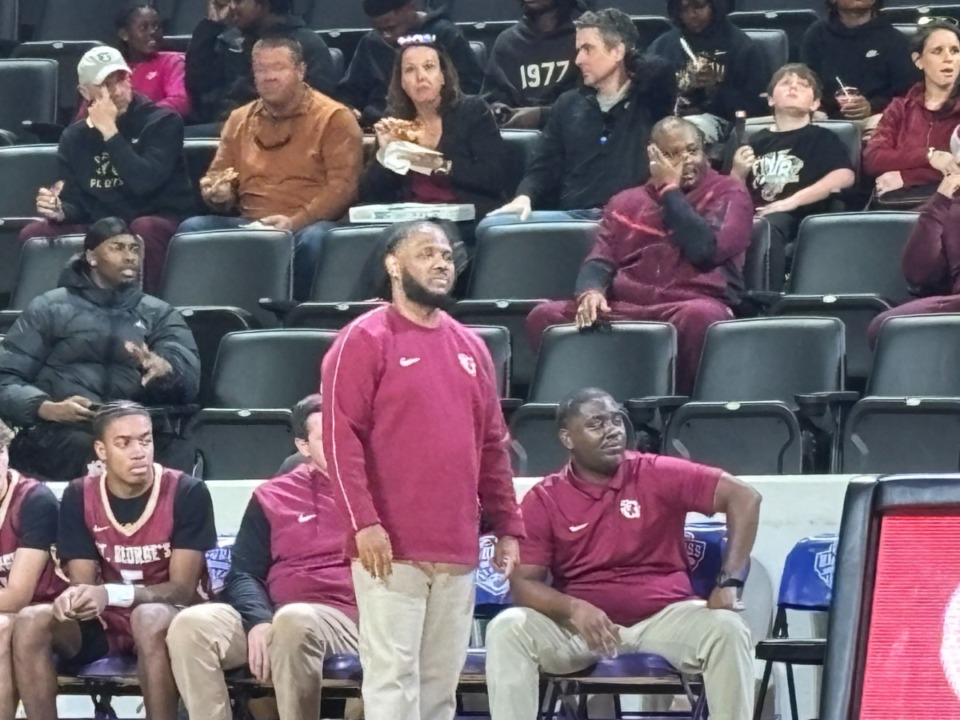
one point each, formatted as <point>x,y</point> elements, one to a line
<point>909,417</point>
<point>78,20</point>
<point>911,13</point>
<point>67,53</point>
<point>497,340</point>
<point>521,145</point>
<point>743,414</point>
<point>636,7</point>
<point>198,154</point>
<point>774,42</point>
<point>793,22</point>
<point>339,64</point>
<point>847,265</point>
<point>209,326</point>
<point>756,266</point>
<point>41,262</point>
<point>474,11</point>
<point>29,92</point>
<point>514,267</point>
<point>337,15</point>
<point>185,16</point>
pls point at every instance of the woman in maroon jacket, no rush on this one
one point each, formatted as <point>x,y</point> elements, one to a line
<point>931,258</point>
<point>909,148</point>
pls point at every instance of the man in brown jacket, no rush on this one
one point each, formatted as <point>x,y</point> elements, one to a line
<point>290,160</point>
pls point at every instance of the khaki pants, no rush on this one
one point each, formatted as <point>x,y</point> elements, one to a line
<point>205,640</point>
<point>521,642</point>
<point>414,632</point>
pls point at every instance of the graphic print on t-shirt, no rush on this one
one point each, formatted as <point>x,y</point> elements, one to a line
<point>105,175</point>
<point>774,171</point>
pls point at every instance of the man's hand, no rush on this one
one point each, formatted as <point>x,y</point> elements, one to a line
<point>787,204</point>
<point>662,171</point>
<point>743,160</point>
<point>375,551</point>
<point>597,630</point>
<point>592,304</point>
<point>152,366</point>
<point>944,162</point>
<point>81,602</point>
<point>948,186</point>
<point>218,10</point>
<point>74,409</point>
<point>102,114</point>
<point>520,205</point>
<point>48,202</point>
<point>219,189</point>
<point>725,599</point>
<point>889,181</point>
<point>506,557</point>
<point>280,222</point>
<point>526,118</point>
<point>854,107</point>
<point>258,651</point>
<point>425,160</point>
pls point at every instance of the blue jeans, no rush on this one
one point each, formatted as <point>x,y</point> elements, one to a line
<point>307,243</point>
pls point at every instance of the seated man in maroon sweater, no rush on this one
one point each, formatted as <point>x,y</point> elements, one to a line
<point>931,258</point>
<point>132,539</point>
<point>288,600</point>
<point>671,250</point>
<point>28,530</point>
<point>605,571</point>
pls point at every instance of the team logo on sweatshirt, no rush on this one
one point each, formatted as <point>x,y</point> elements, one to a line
<point>468,363</point>
<point>630,509</point>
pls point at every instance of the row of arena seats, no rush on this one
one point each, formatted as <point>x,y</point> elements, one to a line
<point>635,674</point>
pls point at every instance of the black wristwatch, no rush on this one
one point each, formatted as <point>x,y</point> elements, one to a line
<point>725,581</point>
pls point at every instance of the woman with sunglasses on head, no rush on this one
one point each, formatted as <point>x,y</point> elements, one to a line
<point>859,47</point>
<point>463,155</point>
<point>910,149</point>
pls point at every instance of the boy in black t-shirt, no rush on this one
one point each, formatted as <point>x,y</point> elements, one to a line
<point>793,167</point>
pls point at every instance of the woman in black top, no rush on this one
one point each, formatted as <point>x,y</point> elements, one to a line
<point>425,89</point>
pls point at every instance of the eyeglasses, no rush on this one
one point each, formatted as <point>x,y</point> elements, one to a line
<point>418,39</point>
<point>932,19</point>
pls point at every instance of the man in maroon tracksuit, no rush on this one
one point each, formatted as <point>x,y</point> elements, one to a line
<point>288,600</point>
<point>670,251</point>
<point>931,258</point>
<point>417,446</point>
<point>28,530</point>
<point>132,539</point>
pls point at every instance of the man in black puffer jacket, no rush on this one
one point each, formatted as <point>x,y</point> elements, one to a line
<point>94,339</point>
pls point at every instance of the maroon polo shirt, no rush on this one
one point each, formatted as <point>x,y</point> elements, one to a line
<point>619,546</point>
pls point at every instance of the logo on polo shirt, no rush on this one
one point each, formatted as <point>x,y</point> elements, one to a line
<point>872,53</point>
<point>630,509</point>
<point>468,364</point>
<point>696,550</point>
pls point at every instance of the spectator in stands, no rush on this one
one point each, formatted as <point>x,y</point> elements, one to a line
<point>220,75</point>
<point>793,168</point>
<point>909,150</point>
<point>409,396</point>
<point>671,250</point>
<point>462,129</point>
<point>288,602</point>
<point>931,257</point>
<point>124,160</point>
<point>94,339</point>
<point>594,143</point>
<point>531,63</point>
<point>290,160</point>
<point>365,85</point>
<point>28,530</point>
<point>132,539</point>
<point>720,69</point>
<point>608,530</point>
<point>858,45</point>
<point>158,76</point>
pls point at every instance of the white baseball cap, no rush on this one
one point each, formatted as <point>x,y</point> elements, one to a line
<point>97,64</point>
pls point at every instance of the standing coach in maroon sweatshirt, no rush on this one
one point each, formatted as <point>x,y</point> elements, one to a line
<point>416,447</point>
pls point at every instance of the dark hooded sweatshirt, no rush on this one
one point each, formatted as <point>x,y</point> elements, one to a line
<point>586,156</point>
<point>364,87</point>
<point>741,62</point>
<point>874,58</point>
<point>70,341</point>
<point>531,70</point>
<point>219,66</point>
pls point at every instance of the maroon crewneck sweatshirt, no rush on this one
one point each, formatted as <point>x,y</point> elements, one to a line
<point>414,436</point>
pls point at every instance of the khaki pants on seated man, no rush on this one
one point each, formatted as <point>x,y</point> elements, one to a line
<point>206,640</point>
<point>715,643</point>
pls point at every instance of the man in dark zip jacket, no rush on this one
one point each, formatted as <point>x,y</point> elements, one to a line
<point>95,338</point>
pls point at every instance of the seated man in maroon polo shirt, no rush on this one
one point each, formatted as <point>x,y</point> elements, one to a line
<point>28,530</point>
<point>132,537</point>
<point>288,599</point>
<point>608,530</point>
<point>670,251</point>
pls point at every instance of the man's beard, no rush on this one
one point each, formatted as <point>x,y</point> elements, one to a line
<point>420,295</point>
